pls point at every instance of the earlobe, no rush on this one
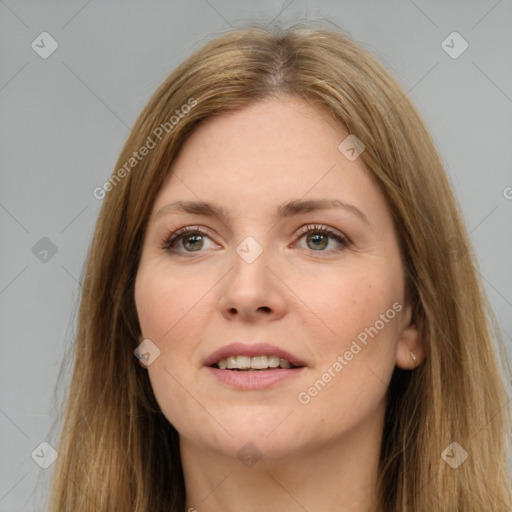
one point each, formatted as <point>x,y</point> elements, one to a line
<point>410,349</point>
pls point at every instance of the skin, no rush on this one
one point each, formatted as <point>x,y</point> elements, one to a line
<point>311,298</point>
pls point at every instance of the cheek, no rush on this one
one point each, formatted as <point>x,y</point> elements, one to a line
<point>343,304</point>
<point>162,299</point>
<point>356,363</point>
<point>358,308</point>
<point>165,307</point>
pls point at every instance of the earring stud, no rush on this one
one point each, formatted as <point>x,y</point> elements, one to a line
<point>413,356</point>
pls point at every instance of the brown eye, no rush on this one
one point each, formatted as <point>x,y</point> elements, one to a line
<point>192,242</point>
<point>318,237</point>
<point>187,240</point>
<point>318,241</point>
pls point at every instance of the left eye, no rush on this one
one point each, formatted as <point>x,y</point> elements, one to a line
<point>192,239</point>
<point>319,236</point>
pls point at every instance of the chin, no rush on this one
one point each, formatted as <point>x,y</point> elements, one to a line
<point>253,436</point>
<point>250,450</point>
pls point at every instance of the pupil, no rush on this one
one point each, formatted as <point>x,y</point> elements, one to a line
<point>318,237</point>
<point>195,238</point>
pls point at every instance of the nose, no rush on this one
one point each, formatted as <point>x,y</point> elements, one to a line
<point>252,291</point>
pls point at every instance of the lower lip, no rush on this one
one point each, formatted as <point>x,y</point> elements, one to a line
<point>247,380</point>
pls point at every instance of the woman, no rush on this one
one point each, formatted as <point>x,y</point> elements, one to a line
<point>276,247</point>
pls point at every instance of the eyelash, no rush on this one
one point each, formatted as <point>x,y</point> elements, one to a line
<point>172,237</point>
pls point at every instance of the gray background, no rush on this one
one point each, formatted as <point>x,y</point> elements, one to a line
<point>65,118</point>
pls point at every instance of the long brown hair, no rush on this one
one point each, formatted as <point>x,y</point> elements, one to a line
<point>116,449</point>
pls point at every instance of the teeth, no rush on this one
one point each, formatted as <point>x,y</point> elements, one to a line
<point>273,361</point>
<point>231,362</point>
<point>259,362</point>
<point>252,363</point>
<point>284,363</point>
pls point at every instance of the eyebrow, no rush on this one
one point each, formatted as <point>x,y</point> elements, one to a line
<point>285,210</point>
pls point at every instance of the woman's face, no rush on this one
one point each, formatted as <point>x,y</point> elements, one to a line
<point>320,287</point>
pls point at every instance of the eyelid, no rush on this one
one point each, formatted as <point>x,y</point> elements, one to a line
<point>321,227</point>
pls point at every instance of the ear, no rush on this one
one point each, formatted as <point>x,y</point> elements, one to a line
<point>410,348</point>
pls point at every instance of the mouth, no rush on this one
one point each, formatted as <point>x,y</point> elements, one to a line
<point>253,367</point>
<point>253,357</point>
<point>259,363</point>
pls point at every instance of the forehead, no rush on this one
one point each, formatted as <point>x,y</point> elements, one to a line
<point>253,161</point>
<point>285,131</point>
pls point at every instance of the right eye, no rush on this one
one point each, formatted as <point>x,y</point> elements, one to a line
<point>191,239</point>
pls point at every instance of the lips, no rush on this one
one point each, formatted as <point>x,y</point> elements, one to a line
<point>252,350</point>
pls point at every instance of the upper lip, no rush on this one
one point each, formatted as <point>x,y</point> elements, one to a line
<point>255,349</point>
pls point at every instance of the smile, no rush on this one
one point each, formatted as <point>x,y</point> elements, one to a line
<point>247,363</point>
<point>253,366</point>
